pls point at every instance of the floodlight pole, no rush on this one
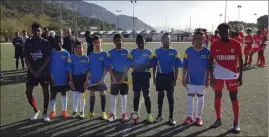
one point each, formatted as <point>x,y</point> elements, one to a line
<point>133,2</point>
<point>118,11</point>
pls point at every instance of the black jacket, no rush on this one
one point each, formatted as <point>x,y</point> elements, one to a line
<point>69,43</point>
<point>89,41</point>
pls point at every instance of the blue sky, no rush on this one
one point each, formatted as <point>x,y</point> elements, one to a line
<point>177,13</point>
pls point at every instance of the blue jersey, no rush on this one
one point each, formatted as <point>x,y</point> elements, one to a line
<point>196,63</point>
<point>141,58</point>
<point>78,65</point>
<point>119,59</point>
<point>98,64</point>
<point>167,60</point>
<point>58,64</point>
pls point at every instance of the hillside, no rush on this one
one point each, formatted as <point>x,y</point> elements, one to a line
<point>19,15</point>
<point>95,11</point>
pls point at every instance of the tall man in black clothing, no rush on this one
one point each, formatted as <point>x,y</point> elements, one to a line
<point>37,57</point>
<point>69,42</point>
<point>18,44</point>
<point>89,41</point>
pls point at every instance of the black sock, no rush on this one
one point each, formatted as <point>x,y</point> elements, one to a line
<point>92,100</point>
<point>160,102</point>
<point>103,102</point>
<point>147,102</point>
<point>136,101</point>
<point>22,63</point>
<point>170,97</point>
<point>46,99</point>
<point>17,63</point>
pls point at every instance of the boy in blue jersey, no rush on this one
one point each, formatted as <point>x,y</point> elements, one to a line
<point>167,62</point>
<point>195,77</point>
<point>119,59</point>
<point>59,79</point>
<point>98,69</point>
<point>141,64</point>
<point>78,75</point>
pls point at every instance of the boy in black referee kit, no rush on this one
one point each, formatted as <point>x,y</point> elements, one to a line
<point>167,62</point>
<point>141,60</point>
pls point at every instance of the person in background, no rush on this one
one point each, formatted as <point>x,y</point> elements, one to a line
<point>45,35</point>
<point>51,39</point>
<point>69,41</point>
<point>18,44</point>
<point>89,41</point>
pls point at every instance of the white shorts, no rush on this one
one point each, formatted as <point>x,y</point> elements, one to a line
<point>196,89</point>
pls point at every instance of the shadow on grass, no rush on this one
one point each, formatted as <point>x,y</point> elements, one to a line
<point>13,79</point>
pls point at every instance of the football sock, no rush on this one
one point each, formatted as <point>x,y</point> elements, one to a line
<point>250,60</point>
<point>92,101</point>
<point>236,110</point>
<point>17,63</point>
<point>246,59</point>
<point>200,106</point>
<point>190,103</point>
<point>53,105</point>
<point>218,107</point>
<point>113,99</point>
<point>262,60</point>
<point>170,96</point>
<point>75,101</point>
<point>103,102</point>
<point>136,101</point>
<point>22,63</point>
<point>31,100</point>
<point>82,102</point>
<point>160,102</point>
<point>147,103</point>
<point>123,103</point>
<point>46,100</point>
<point>64,103</point>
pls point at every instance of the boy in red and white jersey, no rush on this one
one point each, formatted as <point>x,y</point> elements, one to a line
<point>215,37</point>
<point>257,41</point>
<point>226,54</point>
<point>264,34</point>
<point>248,41</point>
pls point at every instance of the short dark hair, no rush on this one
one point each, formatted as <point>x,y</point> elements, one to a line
<point>216,31</point>
<point>139,36</point>
<point>198,32</point>
<point>165,34</point>
<point>96,37</point>
<point>204,30</point>
<point>45,28</point>
<point>248,30</point>
<point>58,38</point>
<point>87,32</point>
<point>236,33</point>
<point>117,36</point>
<point>23,30</point>
<point>36,25</point>
<point>78,44</point>
<point>224,25</point>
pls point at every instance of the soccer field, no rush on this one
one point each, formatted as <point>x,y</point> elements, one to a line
<point>15,110</point>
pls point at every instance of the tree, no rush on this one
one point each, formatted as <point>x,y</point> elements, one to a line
<point>262,20</point>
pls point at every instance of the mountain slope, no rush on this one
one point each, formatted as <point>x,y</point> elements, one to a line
<point>95,11</point>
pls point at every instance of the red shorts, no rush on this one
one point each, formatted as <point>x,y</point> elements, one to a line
<point>247,49</point>
<point>231,85</point>
<point>254,50</point>
<point>262,48</point>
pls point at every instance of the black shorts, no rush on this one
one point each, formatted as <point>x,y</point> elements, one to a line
<point>119,88</point>
<point>141,81</point>
<point>100,87</point>
<point>59,88</point>
<point>79,82</point>
<point>19,54</point>
<point>164,82</point>
<point>43,79</point>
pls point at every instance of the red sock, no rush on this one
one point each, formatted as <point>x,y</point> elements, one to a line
<point>259,59</point>
<point>236,110</point>
<point>32,102</point>
<point>250,60</point>
<point>246,59</point>
<point>262,60</point>
<point>218,107</point>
